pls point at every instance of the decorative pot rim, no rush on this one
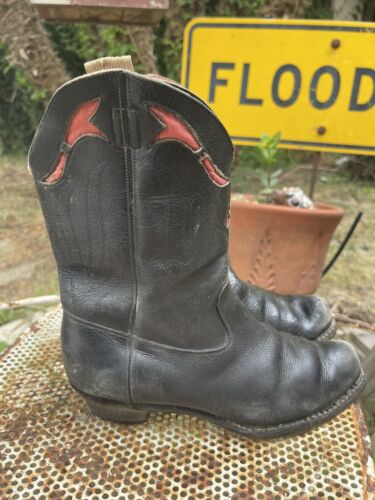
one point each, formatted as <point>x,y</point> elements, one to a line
<point>321,209</point>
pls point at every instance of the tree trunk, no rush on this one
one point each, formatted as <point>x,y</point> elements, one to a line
<point>347,10</point>
<point>284,8</point>
<point>142,37</point>
<point>29,46</point>
<point>369,11</point>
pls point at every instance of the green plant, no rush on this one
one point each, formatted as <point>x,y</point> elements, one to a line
<point>3,345</point>
<point>169,32</point>
<point>268,156</point>
<point>21,107</point>
<point>7,316</point>
<point>78,43</point>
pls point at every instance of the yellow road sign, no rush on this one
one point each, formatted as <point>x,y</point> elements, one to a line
<point>313,81</point>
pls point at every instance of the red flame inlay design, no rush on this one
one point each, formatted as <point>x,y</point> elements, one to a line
<point>176,129</point>
<point>79,126</point>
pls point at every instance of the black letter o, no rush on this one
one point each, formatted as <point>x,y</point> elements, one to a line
<point>335,87</point>
<point>275,85</point>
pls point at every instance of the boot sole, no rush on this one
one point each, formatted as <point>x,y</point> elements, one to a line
<point>329,333</point>
<point>137,414</point>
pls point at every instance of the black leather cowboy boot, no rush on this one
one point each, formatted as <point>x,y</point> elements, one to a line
<point>132,175</point>
<point>304,315</point>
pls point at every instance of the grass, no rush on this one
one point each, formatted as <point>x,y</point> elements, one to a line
<point>354,272</point>
<point>27,266</point>
<point>6,316</point>
<point>3,346</point>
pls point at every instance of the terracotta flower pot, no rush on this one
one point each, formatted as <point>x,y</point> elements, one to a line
<point>281,248</point>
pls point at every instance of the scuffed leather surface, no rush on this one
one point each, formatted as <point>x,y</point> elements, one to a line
<point>139,235</point>
<point>180,234</point>
<point>96,359</point>
<point>303,315</point>
<point>261,377</point>
<point>85,213</point>
<point>307,316</point>
<point>51,132</point>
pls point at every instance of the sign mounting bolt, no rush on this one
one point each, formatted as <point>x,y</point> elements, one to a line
<point>335,44</point>
<point>321,130</point>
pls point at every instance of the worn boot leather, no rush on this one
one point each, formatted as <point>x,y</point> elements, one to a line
<point>304,315</point>
<point>133,179</point>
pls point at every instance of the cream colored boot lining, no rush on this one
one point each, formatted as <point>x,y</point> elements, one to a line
<point>122,62</point>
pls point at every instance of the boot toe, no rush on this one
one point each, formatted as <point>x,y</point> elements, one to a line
<point>321,317</point>
<point>312,316</point>
<point>341,368</point>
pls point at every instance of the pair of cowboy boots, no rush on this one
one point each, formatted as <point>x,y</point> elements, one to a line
<point>133,175</point>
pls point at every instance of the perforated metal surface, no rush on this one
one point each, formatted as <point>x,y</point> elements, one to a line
<point>52,447</point>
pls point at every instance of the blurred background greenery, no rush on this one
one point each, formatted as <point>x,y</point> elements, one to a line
<point>23,98</point>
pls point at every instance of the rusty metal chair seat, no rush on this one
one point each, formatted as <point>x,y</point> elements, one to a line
<point>52,447</point>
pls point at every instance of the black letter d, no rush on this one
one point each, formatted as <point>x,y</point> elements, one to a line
<point>354,105</point>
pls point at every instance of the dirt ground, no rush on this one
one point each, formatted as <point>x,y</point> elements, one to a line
<point>27,267</point>
<point>26,264</point>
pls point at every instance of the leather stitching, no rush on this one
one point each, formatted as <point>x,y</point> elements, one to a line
<point>66,147</point>
<point>128,164</point>
<point>329,332</point>
<point>117,333</point>
<point>315,418</point>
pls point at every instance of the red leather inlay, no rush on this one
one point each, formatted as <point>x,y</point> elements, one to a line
<point>80,124</point>
<point>174,129</point>
<point>58,171</point>
<point>217,177</point>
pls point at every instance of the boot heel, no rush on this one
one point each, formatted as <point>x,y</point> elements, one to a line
<point>116,412</point>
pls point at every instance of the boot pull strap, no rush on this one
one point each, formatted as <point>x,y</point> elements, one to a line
<point>122,62</point>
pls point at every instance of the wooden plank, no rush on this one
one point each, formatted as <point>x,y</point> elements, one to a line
<point>102,11</point>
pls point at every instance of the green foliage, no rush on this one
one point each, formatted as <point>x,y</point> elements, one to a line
<point>234,8</point>
<point>361,168</point>
<point>319,9</point>
<point>78,43</point>
<point>3,345</point>
<point>267,149</point>
<point>167,51</point>
<point>20,108</point>
<point>169,33</point>
<point>11,315</point>
<point>268,156</point>
<point>253,164</point>
<point>21,105</point>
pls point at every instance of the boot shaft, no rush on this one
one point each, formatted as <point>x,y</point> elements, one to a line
<point>132,175</point>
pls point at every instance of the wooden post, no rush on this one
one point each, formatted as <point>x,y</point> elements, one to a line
<point>317,156</point>
<point>102,11</point>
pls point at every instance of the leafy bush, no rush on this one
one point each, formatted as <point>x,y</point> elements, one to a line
<point>169,33</point>
<point>78,43</point>
<point>361,168</point>
<point>20,108</point>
